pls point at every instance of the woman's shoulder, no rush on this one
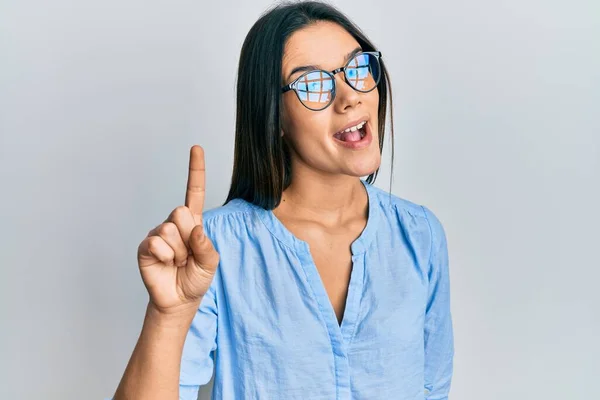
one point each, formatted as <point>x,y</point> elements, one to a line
<point>236,217</point>
<point>235,207</point>
<point>409,214</point>
<point>392,203</point>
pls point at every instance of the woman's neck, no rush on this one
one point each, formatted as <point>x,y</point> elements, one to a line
<point>330,200</point>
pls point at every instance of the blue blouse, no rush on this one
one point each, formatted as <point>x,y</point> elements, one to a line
<point>267,326</point>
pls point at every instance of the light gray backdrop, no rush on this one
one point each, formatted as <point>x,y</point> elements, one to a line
<point>496,111</point>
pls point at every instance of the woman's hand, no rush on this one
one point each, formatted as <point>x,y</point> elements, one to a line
<point>177,260</point>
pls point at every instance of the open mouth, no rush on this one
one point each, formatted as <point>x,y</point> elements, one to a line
<point>352,134</point>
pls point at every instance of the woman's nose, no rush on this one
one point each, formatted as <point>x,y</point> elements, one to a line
<point>346,96</point>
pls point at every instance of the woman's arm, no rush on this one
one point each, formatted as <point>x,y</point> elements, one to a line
<point>153,370</point>
<point>177,261</point>
<point>438,334</point>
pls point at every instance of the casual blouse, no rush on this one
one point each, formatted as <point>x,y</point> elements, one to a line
<point>267,329</point>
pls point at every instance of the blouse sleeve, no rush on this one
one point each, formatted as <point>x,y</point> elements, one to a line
<point>198,355</point>
<point>438,334</point>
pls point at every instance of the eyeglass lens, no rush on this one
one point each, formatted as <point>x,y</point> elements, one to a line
<point>315,89</point>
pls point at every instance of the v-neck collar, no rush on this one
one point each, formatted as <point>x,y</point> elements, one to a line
<point>358,246</point>
<point>340,335</point>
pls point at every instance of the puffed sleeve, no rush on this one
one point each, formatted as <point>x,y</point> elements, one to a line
<point>438,334</point>
<point>198,357</point>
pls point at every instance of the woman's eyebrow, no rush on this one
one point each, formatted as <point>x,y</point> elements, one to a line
<point>311,67</point>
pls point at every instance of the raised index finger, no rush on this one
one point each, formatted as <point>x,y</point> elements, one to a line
<point>194,195</point>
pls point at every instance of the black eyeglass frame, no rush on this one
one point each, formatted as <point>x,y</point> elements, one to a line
<point>293,85</point>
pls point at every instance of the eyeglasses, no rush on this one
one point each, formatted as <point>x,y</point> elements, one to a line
<point>316,88</point>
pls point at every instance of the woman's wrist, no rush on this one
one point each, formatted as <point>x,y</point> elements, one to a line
<point>180,317</point>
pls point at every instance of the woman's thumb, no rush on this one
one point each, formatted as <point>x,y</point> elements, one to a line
<point>205,255</point>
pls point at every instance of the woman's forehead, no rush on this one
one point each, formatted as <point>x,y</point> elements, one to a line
<point>323,44</point>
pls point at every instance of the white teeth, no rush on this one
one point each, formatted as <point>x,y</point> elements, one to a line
<point>354,128</point>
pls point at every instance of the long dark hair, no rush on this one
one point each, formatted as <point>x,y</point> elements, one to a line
<point>262,160</point>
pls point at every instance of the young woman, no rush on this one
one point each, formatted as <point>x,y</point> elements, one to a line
<point>309,282</point>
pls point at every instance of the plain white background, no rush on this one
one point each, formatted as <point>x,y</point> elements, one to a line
<point>496,112</point>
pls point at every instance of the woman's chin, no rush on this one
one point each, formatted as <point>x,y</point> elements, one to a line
<point>365,168</point>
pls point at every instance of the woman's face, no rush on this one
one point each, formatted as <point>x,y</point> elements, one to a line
<point>312,134</point>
